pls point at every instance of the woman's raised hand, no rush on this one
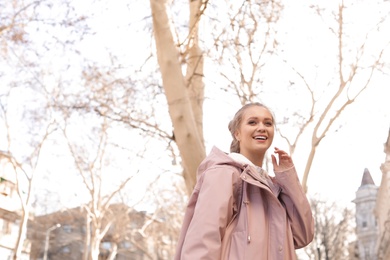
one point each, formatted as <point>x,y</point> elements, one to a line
<point>284,161</point>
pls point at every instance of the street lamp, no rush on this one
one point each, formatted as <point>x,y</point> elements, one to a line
<point>47,239</point>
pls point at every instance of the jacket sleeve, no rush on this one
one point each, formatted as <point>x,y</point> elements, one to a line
<point>212,213</point>
<point>297,207</point>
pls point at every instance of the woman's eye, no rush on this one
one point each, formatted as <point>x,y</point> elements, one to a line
<point>268,123</point>
<point>252,122</point>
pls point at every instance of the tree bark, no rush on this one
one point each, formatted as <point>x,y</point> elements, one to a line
<point>187,121</point>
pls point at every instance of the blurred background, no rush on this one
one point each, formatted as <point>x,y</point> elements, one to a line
<point>108,107</point>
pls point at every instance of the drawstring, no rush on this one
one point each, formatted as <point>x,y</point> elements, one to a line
<point>246,202</point>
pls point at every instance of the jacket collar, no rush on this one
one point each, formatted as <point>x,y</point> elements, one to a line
<point>240,158</point>
<point>259,176</point>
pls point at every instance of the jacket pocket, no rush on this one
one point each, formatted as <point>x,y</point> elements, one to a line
<point>237,246</point>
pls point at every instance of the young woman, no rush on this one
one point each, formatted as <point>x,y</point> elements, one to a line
<point>237,211</point>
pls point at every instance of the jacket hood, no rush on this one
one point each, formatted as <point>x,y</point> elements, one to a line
<point>217,157</point>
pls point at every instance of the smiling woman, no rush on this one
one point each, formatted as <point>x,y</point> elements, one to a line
<point>233,189</point>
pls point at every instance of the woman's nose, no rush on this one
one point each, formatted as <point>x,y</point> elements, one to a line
<point>260,127</point>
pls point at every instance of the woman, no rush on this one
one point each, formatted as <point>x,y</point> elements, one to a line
<point>237,211</point>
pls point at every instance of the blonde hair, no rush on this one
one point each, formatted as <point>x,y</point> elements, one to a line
<point>235,123</point>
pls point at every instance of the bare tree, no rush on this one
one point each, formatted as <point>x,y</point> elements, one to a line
<point>355,67</point>
<point>26,128</point>
<point>25,101</point>
<point>354,72</point>
<point>184,93</point>
<point>127,227</point>
<point>243,43</point>
<point>245,38</point>
<point>92,163</point>
<point>24,173</point>
<point>333,231</point>
<point>168,201</point>
<point>24,163</point>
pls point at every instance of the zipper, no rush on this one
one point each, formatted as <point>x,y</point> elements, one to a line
<point>246,203</point>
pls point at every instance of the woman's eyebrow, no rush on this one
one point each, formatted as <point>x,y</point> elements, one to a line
<point>257,118</point>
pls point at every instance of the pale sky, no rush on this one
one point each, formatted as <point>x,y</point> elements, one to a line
<point>341,157</point>
<point>364,126</point>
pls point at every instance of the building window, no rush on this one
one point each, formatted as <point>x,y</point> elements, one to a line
<point>65,250</point>
<point>4,189</point>
<point>363,219</point>
<point>126,244</point>
<point>67,228</point>
<point>106,245</point>
<point>6,227</point>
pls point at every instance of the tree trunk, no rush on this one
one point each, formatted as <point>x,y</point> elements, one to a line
<point>186,121</point>
<point>309,163</point>
<point>195,62</point>
<point>21,235</point>
<point>114,252</point>
<point>87,238</point>
<point>25,214</point>
<point>95,246</point>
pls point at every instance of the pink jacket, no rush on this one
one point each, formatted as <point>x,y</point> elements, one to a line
<point>272,221</point>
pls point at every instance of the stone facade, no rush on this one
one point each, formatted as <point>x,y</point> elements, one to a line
<point>366,223</point>
<point>373,215</point>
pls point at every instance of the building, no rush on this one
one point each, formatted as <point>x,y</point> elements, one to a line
<point>63,234</point>
<point>366,223</point>
<point>373,215</point>
<point>10,214</point>
<point>382,210</point>
<point>9,220</point>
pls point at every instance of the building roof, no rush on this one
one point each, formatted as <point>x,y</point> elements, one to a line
<point>367,178</point>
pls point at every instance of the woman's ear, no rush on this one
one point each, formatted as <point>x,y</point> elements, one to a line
<point>237,136</point>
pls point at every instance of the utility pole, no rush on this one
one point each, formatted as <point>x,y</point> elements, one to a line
<point>47,239</point>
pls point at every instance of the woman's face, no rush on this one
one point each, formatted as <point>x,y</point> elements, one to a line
<point>256,131</point>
